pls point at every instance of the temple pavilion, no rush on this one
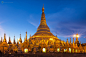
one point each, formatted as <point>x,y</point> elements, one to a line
<point>42,41</point>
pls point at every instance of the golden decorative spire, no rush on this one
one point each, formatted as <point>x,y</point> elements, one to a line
<point>9,41</point>
<point>20,36</point>
<point>73,41</point>
<point>26,36</point>
<point>43,20</point>
<point>43,8</point>
<point>76,38</point>
<point>4,37</point>
<point>67,41</point>
<point>20,39</point>
<point>70,40</point>
<point>14,40</point>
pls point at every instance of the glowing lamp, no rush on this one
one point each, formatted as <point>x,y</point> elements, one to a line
<point>26,50</point>
<point>77,35</point>
<point>44,50</point>
<point>70,50</point>
<point>74,35</point>
<point>58,49</point>
<point>76,50</point>
<point>51,38</point>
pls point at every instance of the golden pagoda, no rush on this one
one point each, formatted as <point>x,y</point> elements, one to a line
<point>43,37</point>
<point>43,31</point>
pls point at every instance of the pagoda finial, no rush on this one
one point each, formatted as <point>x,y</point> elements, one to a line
<point>9,41</point>
<point>43,20</point>
<point>14,40</point>
<point>26,36</point>
<point>4,37</point>
<point>20,39</point>
<point>14,37</point>
<point>67,41</point>
<point>70,40</point>
<point>20,36</point>
<point>43,8</point>
<point>26,32</point>
<point>73,41</point>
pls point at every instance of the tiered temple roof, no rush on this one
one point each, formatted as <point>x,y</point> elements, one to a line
<point>43,30</point>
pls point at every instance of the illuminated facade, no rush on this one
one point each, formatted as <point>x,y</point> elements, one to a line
<point>42,41</point>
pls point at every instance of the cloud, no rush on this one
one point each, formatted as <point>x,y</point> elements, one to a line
<point>67,22</point>
<point>33,19</point>
<point>34,24</point>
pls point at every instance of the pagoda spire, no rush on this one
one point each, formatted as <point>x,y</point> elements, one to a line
<point>14,40</point>
<point>73,41</point>
<point>26,36</point>
<point>43,8</point>
<point>20,36</point>
<point>9,41</point>
<point>43,20</point>
<point>67,41</point>
<point>20,39</point>
<point>4,37</point>
<point>70,40</point>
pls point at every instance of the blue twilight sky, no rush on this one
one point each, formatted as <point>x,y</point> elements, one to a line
<point>64,18</point>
